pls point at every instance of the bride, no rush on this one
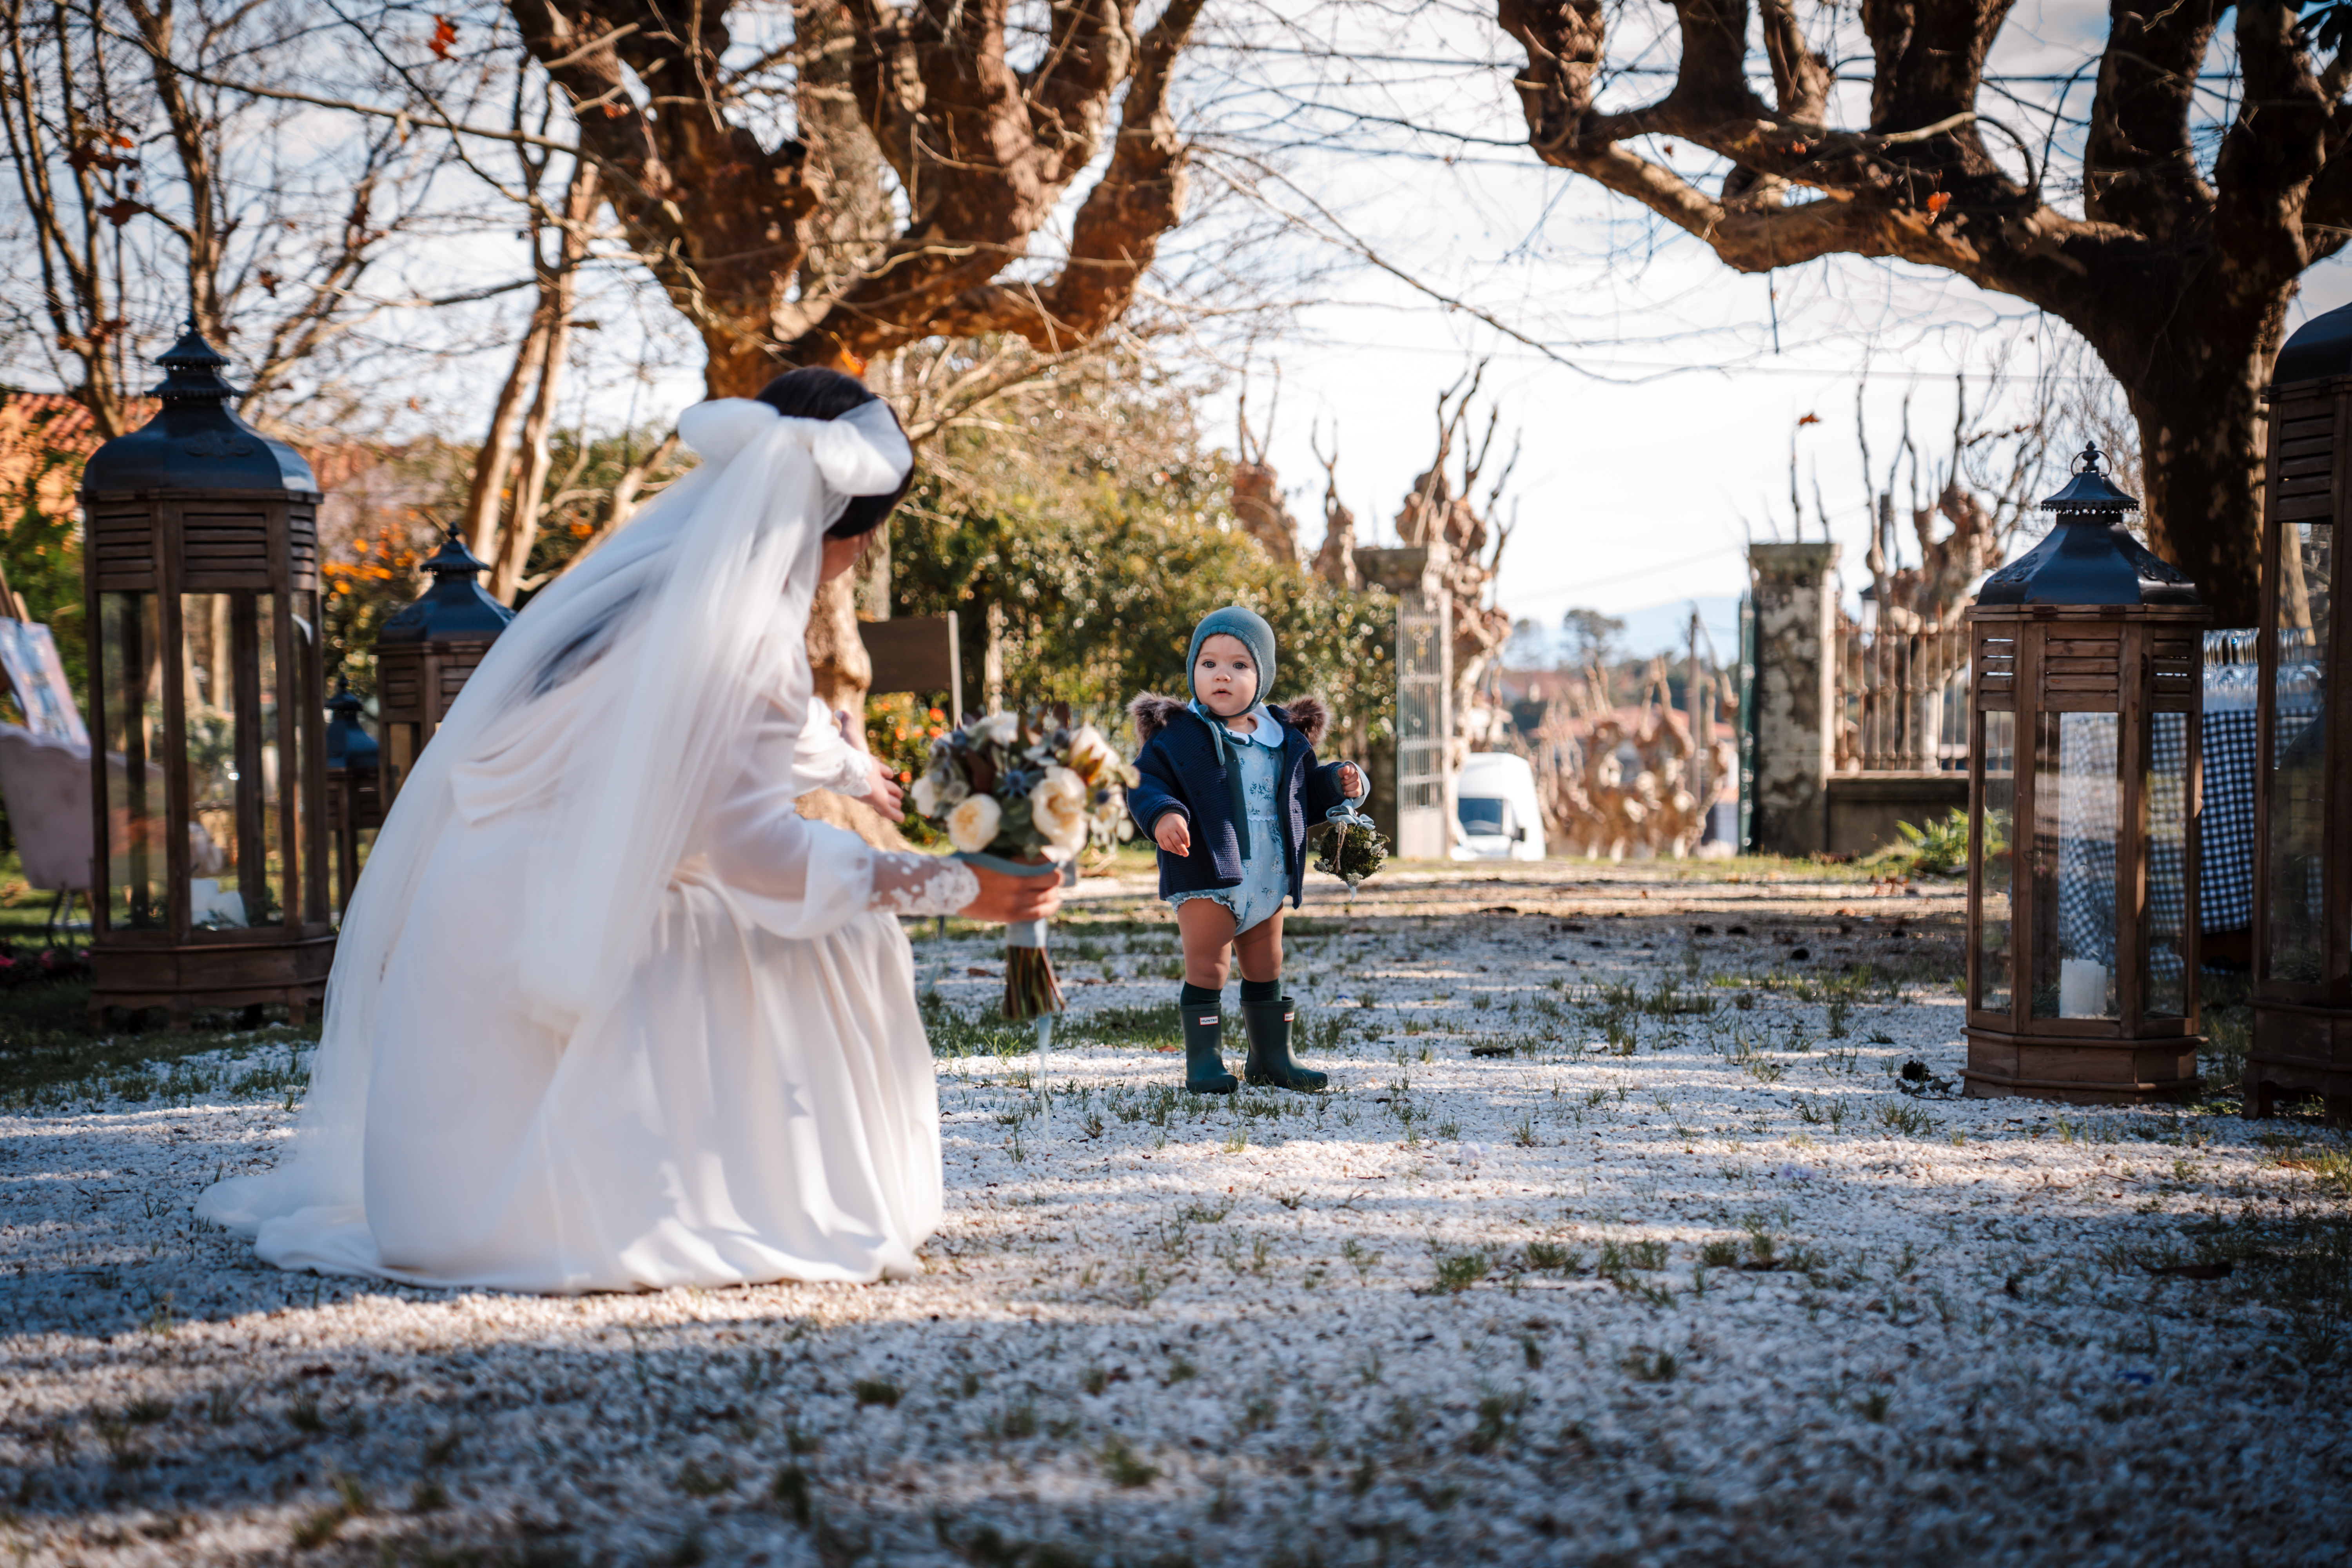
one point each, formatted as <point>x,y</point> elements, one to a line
<point>607,1013</point>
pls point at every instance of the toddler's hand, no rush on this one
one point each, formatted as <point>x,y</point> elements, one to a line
<point>1170,835</point>
<point>1351,781</point>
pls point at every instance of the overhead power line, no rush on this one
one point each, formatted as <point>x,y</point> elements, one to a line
<point>2054,78</point>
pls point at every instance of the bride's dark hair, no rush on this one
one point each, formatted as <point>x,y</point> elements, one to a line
<point>818,393</point>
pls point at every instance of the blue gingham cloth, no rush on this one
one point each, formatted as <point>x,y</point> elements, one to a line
<point>2225,838</point>
<point>2225,832</point>
<point>2087,791</point>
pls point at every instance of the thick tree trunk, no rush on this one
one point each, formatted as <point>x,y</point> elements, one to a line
<point>2197,394</point>
<point>485,498</point>
<point>2202,450</point>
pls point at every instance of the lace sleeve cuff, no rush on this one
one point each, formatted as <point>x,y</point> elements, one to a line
<point>922,884</point>
<point>856,778</point>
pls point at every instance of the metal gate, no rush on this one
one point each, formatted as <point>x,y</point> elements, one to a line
<point>1424,720</point>
<point>1747,725</point>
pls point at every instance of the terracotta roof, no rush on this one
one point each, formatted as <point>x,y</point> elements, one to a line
<point>44,435</point>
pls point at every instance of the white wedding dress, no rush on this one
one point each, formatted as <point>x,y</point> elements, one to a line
<point>744,1095</point>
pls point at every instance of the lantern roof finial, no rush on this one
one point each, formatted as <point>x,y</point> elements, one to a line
<point>2090,557</point>
<point>2090,490</point>
<point>455,557</point>
<point>193,371</point>
<point>453,608</point>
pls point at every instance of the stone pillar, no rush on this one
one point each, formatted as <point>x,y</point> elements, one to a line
<point>1796,717</point>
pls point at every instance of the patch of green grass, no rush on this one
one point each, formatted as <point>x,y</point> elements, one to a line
<point>1938,849</point>
<point>2296,1261</point>
<point>1555,1258</point>
<point>48,1058</point>
<point>1149,1027</point>
<point>696,1481</point>
<point>1907,1120</point>
<point>1124,1466</point>
<point>1498,1420</point>
<point>1643,1365</point>
<point>980,1033</point>
<point>1458,1271</point>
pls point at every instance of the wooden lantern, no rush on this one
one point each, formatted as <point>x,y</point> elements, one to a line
<point>2082,788</point>
<point>426,653</point>
<point>201,586</point>
<point>2302,798</point>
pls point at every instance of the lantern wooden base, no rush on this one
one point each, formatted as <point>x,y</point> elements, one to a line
<point>214,974</point>
<point>2300,1050</point>
<point>2081,1073</point>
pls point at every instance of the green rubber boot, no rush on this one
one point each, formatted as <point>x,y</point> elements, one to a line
<point>1204,1065</point>
<point>1269,1048</point>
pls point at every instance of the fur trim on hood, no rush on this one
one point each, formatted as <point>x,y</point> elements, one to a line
<point>1151,711</point>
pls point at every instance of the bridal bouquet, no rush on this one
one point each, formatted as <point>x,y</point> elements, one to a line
<point>1023,793</point>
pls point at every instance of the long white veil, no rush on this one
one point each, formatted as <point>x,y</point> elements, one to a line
<point>685,620</point>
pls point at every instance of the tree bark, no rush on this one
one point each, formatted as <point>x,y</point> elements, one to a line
<point>485,493</point>
<point>558,287</point>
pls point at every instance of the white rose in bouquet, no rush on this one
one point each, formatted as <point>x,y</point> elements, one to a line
<point>1058,806</point>
<point>997,730</point>
<point>972,826</point>
<point>940,788</point>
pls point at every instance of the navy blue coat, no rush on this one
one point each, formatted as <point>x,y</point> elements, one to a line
<point>1180,771</point>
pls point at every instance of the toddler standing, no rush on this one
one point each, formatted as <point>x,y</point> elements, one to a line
<point>1229,788</point>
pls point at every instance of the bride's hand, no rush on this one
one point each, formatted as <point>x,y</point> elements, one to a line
<point>883,793</point>
<point>1007,899</point>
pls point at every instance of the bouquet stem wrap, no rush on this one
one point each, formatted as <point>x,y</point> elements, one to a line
<point>1030,989</point>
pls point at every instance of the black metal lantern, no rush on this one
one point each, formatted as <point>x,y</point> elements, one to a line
<point>2083,786</point>
<point>425,654</point>
<point>201,586</point>
<point>354,786</point>
<point>2302,797</point>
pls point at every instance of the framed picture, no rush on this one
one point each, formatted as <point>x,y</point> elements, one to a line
<point>28,654</point>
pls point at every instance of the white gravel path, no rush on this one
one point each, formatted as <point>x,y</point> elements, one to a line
<point>1728,1298</point>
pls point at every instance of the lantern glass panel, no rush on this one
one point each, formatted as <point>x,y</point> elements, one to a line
<point>2164,929</point>
<point>131,670</point>
<point>2297,909</point>
<point>402,741</point>
<point>2076,786</point>
<point>302,691</point>
<point>230,662</point>
<point>1993,831</point>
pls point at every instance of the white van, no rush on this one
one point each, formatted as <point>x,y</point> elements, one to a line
<point>1495,812</point>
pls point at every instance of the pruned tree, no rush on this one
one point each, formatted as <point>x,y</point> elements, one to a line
<point>1439,509</point>
<point>1334,558</point>
<point>784,251</point>
<point>1982,491</point>
<point>2174,255</point>
<point>1257,500</point>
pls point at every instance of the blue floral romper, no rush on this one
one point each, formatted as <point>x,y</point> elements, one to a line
<point>1264,884</point>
